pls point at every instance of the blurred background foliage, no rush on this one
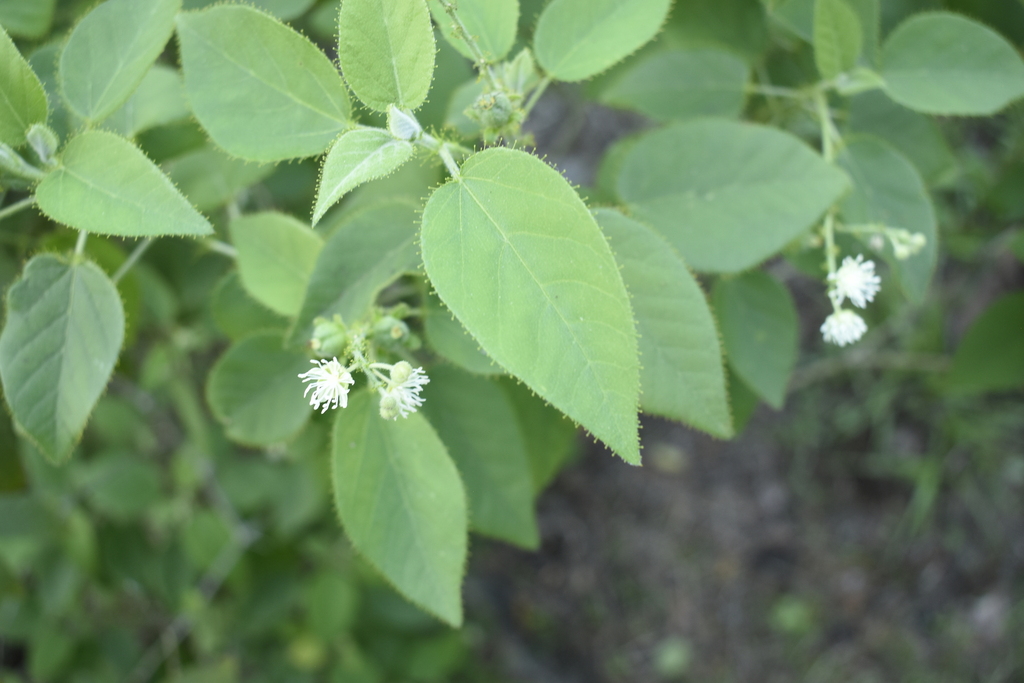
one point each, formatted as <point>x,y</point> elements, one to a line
<point>162,552</point>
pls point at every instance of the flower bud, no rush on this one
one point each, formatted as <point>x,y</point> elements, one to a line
<point>44,142</point>
<point>391,329</point>
<point>389,407</point>
<point>403,125</point>
<point>400,372</point>
<point>329,337</point>
<point>493,110</point>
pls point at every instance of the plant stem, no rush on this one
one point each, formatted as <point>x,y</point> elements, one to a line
<point>536,95</point>
<point>829,134</point>
<point>478,54</point>
<point>441,149</point>
<point>222,248</point>
<point>774,91</point>
<point>17,206</point>
<point>132,259</point>
<point>873,360</point>
<point>80,244</point>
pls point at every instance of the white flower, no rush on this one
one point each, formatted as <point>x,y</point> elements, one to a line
<point>329,382</point>
<point>855,280</point>
<point>401,396</point>
<point>843,327</point>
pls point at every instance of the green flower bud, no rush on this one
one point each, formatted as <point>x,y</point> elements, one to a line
<point>493,109</point>
<point>400,372</point>
<point>391,329</point>
<point>402,124</point>
<point>329,337</point>
<point>389,407</point>
<point>44,142</point>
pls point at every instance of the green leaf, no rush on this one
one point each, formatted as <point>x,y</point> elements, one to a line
<point>22,98</point>
<point>239,315</point>
<point>386,50</point>
<point>942,63</point>
<point>727,195</point>
<point>261,90</point>
<point>991,356</point>
<point>44,63</point>
<point>159,100</point>
<point>838,37</point>
<point>358,156</point>
<point>577,39</point>
<point>514,253</point>
<point>478,425</point>
<point>58,348</point>
<point>492,23</point>
<point>450,340</point>
<point>110,51</point>
<point>888,190</point>
<point>276,256</point>
<point>209,178</point>
<point>759,327</point>
<point>799,15</point>
<point>682,376</point>
<point>550,436</point>
<point>915,135</point>
<point>743,401</point>
<point>367,252</point>
<point>682,84</point>
<point>121,486</point>
<point>736,25</point>
<point>284,10</point>
<point>255,390</point>
<point>402,504</point>
<point>27,18</point>
<point>106,185</point>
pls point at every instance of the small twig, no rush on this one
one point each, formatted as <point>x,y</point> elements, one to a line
<point>17,206</point>
<point>536,95</point>
<point>80,244</point>
<point>222,248</point>
<point>132,259</point>
<point>467,37</point>
<point>774,91</point>
<point>871,360</point>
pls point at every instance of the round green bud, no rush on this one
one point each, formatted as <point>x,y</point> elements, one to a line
<point>388,407</point>
<point>494,109</point>
<point>400,372</point>
<point>329,337</point>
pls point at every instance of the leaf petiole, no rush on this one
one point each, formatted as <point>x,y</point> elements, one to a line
<point>17,206</point>
<point>132,259</point>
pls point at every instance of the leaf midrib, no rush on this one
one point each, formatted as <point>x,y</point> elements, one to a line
<point>551,304</point>
<point>268,84</point>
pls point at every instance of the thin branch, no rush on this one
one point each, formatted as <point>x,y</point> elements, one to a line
<point>874,360</point>
<point>17,206</point>
<point>222,248</point>
<point>132,259</point>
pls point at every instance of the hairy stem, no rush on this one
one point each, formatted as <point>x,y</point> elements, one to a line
<point>829,136</point>
<point>478,55</point>
<point>536,95</point>
<point>132,259</point>
<point>17,206</point>
<point>80,244</point>
<point>222,248</point>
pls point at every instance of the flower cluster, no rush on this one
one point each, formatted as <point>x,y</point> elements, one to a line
<point>856,281</point>
<point>399,390</point>
<point>401,394</point>
<point>329,381</point>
